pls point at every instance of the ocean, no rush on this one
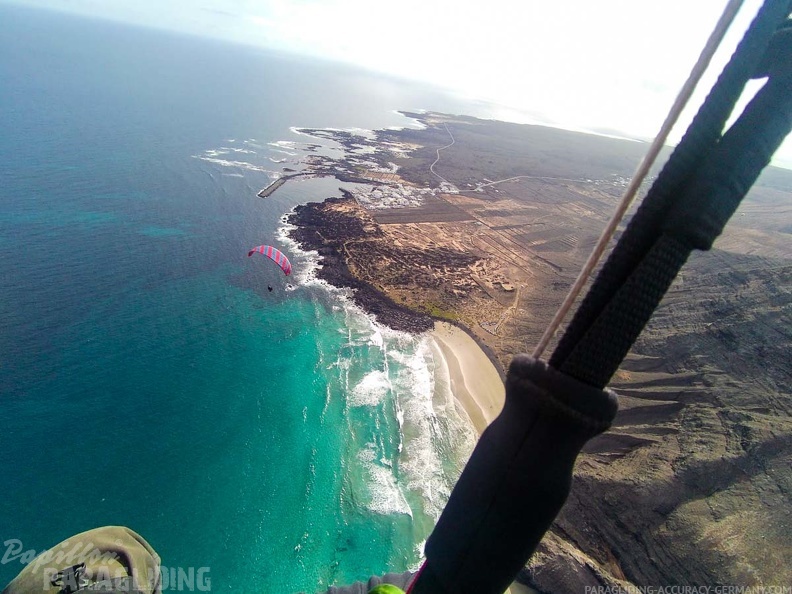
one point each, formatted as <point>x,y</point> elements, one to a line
<point>281,440</point>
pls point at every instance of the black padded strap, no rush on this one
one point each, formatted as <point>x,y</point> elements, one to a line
<point>700,177</point>
<point>707,203</point>
<point>515,482</point>
<point>601,350</point>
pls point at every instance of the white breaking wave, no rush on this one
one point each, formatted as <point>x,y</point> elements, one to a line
<point>384,372</point>
<point>376,338</point>
<point>212,153</point>
<point>304,273</point>
<point>419,557</point>
<point>384,494</point>
<point>239,164</point>
<point>230,149</point>
<point>287,147</point>
<point>283,152</point>
<point>436,438</point>
<point>371,390</point>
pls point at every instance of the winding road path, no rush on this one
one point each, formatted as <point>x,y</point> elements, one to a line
<point>431,167</point>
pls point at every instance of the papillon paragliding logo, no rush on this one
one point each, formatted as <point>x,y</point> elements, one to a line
<point>80,552</point>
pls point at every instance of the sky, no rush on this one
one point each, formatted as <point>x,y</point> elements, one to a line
<point>610,65</point>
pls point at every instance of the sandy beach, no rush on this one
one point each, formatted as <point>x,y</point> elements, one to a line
<point>476,385</point>
<point>475,382</point>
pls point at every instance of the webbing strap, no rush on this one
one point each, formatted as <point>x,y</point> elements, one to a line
<point>595,359</point>
<point>704,180</point>
<point>708,201</point>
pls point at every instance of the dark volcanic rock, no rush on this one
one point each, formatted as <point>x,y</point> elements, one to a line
<point>327,230</point>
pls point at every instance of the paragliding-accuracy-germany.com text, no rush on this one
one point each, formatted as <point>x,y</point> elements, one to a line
<point>689,590</point>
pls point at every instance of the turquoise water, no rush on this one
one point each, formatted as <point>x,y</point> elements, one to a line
<point>147,376</point>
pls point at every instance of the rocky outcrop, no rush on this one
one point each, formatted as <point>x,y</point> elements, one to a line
<point>329,231</point>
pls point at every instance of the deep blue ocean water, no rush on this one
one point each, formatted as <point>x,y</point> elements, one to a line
<point>147,376</point>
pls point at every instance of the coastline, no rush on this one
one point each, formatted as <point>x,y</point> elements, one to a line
<point>475,381</point>
<point>493,245</point>
<point>329,228</point>
<point>476,385</point>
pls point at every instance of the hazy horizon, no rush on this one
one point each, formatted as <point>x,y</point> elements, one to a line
<point>527,63</point>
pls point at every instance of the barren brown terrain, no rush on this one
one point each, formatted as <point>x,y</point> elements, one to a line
<point>693,484</point>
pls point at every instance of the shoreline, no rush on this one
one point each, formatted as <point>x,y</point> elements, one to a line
<point>476,385</point>
<point>475,381</point>
<point>486,254</point>
<point>328,228</point>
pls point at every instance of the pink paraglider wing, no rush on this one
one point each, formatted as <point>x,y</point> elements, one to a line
<point>275,255</point>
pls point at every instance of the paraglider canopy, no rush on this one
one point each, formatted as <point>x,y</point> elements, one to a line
<point>275,255</point>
